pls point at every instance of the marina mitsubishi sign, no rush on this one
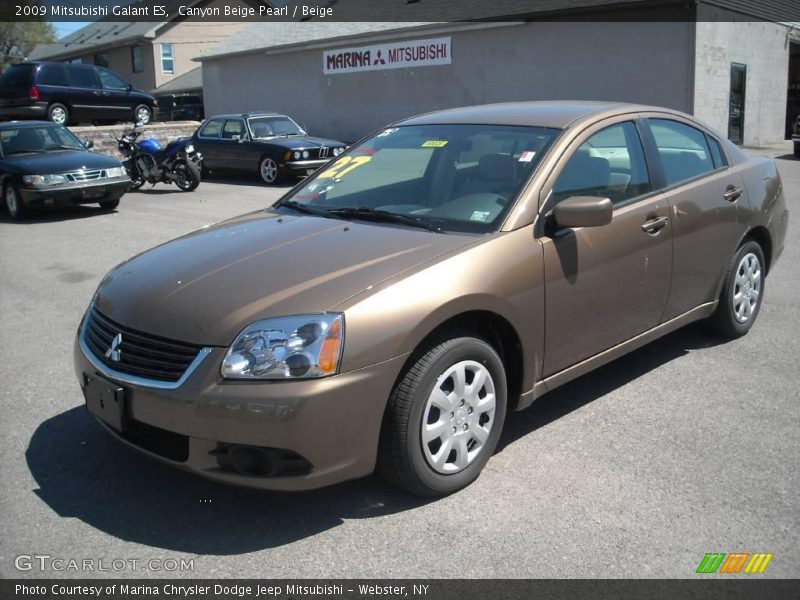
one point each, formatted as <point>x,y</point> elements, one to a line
<point>398,55</point>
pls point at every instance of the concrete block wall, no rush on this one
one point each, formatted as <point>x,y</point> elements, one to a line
<point>105,137</point>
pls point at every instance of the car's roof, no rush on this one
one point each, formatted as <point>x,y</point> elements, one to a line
<point>255,113</point>
<point>17,124</point>
<point>555,114</point>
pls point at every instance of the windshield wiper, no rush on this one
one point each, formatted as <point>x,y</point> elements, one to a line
<point>371,214</point>
<point>306,209</point>
<point>25,151</point>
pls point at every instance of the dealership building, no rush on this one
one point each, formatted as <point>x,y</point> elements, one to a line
<point>733,63</point>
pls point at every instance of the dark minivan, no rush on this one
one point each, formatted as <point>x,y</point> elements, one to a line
<point>70,92</point>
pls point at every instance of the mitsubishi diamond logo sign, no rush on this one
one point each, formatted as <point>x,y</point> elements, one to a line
<point>113,351</point>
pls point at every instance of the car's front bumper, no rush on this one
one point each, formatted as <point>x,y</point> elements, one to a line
<point>78,193</point>
<point>332,423</point>
<point>303,167</point>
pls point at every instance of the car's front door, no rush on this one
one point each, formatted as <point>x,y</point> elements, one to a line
<point>115,95</point>
<point>233,147</point>
<point>604,284</point>
<point>708,216</point>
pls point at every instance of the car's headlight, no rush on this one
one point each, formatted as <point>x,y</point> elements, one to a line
<point>115,172</point>
<point>297,156</point>
<point>189,148</point>
<point>302,346</point>
<point>305,154</point>
<point>44,179</point>
<point>337,151</point>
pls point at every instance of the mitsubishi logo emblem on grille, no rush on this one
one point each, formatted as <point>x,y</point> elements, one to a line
<point>113,351</point>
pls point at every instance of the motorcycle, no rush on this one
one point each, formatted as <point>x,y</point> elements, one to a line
<point>147,162</point>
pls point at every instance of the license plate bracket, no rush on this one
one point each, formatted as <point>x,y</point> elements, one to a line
<point>105,400</point>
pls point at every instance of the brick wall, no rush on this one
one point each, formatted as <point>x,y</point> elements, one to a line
<point>105,137</point>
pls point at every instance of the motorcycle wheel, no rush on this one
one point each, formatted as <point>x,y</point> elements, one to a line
<point>137,181</point>
<point>188,177</point>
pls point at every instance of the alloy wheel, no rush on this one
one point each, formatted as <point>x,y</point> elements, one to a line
<point>269,170</point>
<point>12,204</point>
<point>458,417</point>
<point>747,287</point>
<point>143,116</point>
<point>58,115</point>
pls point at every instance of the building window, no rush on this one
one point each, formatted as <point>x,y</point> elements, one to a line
<point>76,61</point>
<point>101,59</point>
<point>167,60</point>
<point>136,59</point>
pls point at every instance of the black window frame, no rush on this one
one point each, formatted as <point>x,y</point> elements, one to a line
<point>140,48</point>
<point>101,59</point>
<point>231,119</point>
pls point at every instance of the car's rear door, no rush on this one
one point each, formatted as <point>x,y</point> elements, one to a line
<point>705,197</point>
<point>605,284</point>
<point>207,142</point>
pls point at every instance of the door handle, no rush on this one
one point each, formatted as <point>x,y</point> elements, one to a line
<point>96,93</point>
<point>732,193</point>
<point>653,226</point>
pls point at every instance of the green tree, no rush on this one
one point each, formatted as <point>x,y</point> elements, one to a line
<point>18,38</point>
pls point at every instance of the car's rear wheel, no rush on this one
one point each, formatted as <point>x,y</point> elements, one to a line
<point>268,169</point>
<point>58,113</point>
<point>444,418</point>
<point>14,204</point>
<point>742,292</point>
<point>109,204</point>
<point>142,114</point>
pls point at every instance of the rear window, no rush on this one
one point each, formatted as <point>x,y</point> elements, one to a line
<point>52,74</point>
<point>17,75</point>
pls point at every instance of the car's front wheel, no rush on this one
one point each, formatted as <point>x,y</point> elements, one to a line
<point>268,169</point>
<point>444,418</point>
<point>109,204</point>
<point>742,292</point>
<point>142,114</point>
<point>14,204</point>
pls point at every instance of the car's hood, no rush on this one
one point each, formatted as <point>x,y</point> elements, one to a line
<point>206,286</point>
<point>63,161</point>
<point>295,143</point>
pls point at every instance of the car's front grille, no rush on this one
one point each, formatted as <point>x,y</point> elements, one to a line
<point>84,175</point>
<point>134,352</point>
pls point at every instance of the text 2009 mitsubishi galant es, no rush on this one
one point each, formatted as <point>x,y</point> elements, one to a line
<point>388,311</point>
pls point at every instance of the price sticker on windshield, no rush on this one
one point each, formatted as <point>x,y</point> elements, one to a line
<point>345,165</point>
<point>434,144</point>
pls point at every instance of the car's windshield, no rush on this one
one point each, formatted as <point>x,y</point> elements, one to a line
<point>267,127</point>
<point>47,138</point>
<point>461,178</point>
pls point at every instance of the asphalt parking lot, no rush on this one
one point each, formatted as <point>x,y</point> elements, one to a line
<point>685,447</point>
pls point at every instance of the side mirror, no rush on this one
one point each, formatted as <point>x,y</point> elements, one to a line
<point>236,138</point>
<point>583,211</point>
<point>88,144</point>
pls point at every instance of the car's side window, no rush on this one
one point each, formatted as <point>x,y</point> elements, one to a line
<point>111,81</point>
<point>609,164</point>
<point>233,127</point>
<point>211,129</point>
<point>53,74</point>
<point>716,153</point>
<point>683,150</point>
<point>83,76</point>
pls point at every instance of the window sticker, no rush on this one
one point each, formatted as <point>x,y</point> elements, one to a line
<point>527,156</point>
<point>343,166</point>
<point>434,144</point>
<point>480,215</point>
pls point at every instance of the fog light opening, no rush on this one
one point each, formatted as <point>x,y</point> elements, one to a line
<point>252,462</point>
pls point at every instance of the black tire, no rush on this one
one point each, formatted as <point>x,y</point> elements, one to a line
<point>188,177</point>
<point>797,149</point>
<point>725,321</point>
<point>58,113</point>
<point>142,114</point>
<point>14,205</point>
<point>109,204</point>
<point>402,458</point>
<point>268,170</point>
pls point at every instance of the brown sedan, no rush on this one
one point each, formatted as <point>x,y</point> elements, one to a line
<point>390,309</point>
